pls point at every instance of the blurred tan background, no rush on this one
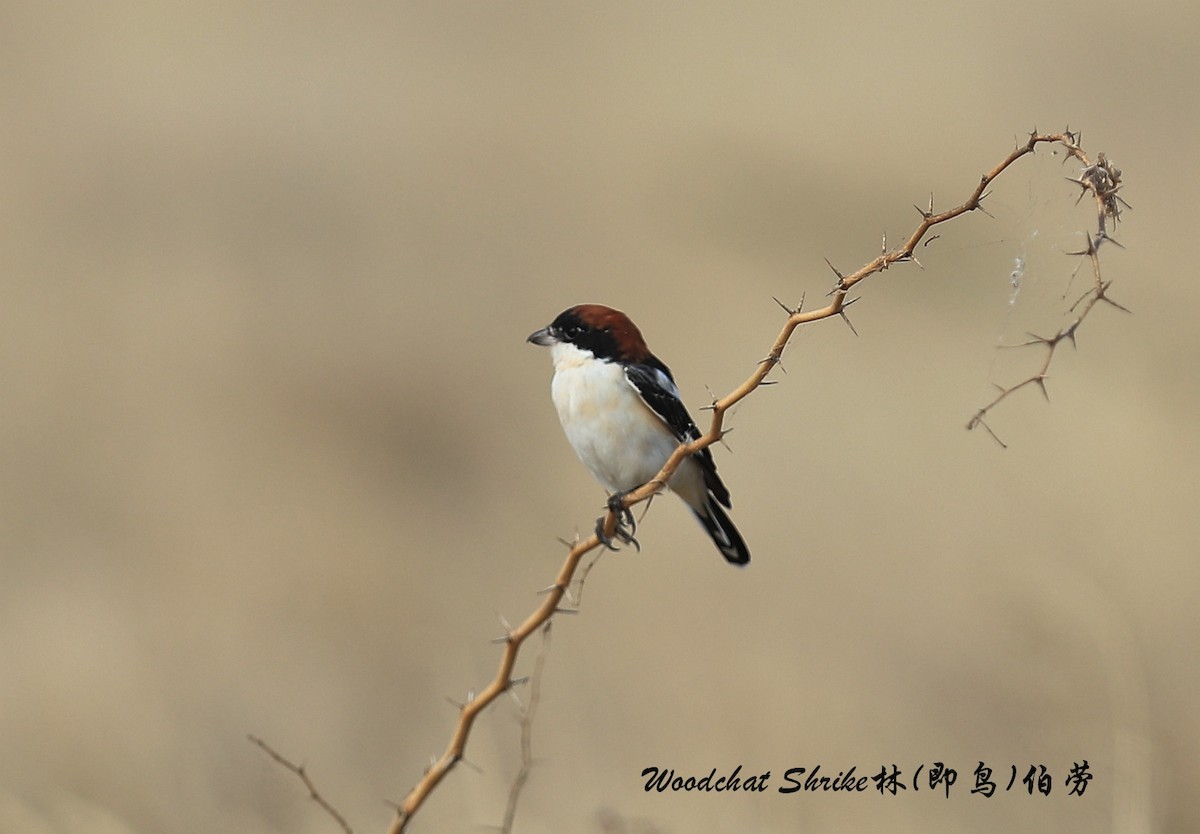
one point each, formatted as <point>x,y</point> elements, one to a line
<point>275,452</point>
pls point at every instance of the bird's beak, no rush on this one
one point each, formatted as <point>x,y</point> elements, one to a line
<point>542,337</point>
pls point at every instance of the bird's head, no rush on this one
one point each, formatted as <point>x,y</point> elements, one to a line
<point>601,331</point>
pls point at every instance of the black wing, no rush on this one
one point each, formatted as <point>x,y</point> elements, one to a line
<point>656,387</point>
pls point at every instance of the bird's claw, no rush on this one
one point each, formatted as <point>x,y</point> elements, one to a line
<point>626,525</point>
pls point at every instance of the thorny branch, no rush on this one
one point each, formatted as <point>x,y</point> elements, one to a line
<point>1103,180</point>
<point>1100,178</point>
<point>503,681</point>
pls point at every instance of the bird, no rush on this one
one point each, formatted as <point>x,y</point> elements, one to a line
<point>623,415</point>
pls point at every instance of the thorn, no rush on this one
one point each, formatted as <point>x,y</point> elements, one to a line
<point>840,286</point>
<point>930,240</point>
<point>978,420</point>
<point>1103,296</point>
<point>846,318</point>
<point>786,308</point>
<point>979,204</point>
<point>774,362</point>
<point>645,509</point>
<point>503,622</point>
<point>464,760</point>
<point>1080,181</point>
<point>1040,380</point>
<point>1085,252</point>
<point>457,704</point>
<point>883,247</point>
<point>548,589</point>
<point>721,439</point>
<point>1036,340</point>
<point>506,638</point>
<point>1069,332</point>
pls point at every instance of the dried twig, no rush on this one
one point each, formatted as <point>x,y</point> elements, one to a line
<point>299,770</point>
<point>527,716</point>
<point>1103,180</point>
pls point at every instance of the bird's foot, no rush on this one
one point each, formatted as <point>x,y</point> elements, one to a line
<point>626,525</point>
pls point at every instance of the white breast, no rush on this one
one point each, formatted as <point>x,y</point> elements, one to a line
<point>615,434</point>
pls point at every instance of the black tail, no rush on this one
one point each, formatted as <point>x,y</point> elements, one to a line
<point>724,535</point>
